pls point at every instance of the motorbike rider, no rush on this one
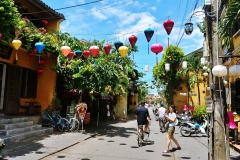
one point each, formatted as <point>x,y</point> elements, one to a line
<point>142,114</point>
<point>161,118</point>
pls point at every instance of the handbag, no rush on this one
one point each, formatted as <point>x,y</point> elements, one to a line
<point>166,125</point>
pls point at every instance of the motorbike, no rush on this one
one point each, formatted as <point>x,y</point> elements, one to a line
<point>188,128</point>
<point>2,145</point>
<point>182,118</point>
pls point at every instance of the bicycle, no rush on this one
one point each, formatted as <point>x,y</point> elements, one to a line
<point>73,122</point>
<point>142,136</point>
<point>54,121</point>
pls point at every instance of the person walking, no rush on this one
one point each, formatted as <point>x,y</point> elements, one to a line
<point>108,111</point>
<point>161,118</point>
<point>173,120</point>
<point>142,114</point>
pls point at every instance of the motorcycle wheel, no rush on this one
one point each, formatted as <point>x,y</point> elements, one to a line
<point>185,131</point>
<point>156,118</point>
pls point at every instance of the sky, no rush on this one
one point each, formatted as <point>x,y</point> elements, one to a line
<point>113,20</point>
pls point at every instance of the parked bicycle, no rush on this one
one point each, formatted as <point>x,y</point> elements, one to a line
<point>142,136</point>
<point>73,122</point>
<point>54,121</point>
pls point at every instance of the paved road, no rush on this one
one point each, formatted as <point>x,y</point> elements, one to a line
<point>117,143</point>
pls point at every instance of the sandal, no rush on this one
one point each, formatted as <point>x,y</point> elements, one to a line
<point>146,132</point>
<point>166,151</point>
<point>178,148</point>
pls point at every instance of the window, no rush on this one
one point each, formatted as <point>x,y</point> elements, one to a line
<point>29,83</point>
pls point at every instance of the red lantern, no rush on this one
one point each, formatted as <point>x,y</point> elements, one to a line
<point>86,53</point>
<point>48,54</point>
<point>156,48</point>
<point>107,48</point>
<point>132,39</point>
<point>70,55</point>
<point>43,22</point>
<point>34,50</point>
<point>94,50</point>
<point>30,54</point>
<point>39,71</point>
<point>168,25</point>
<point>41,61</point>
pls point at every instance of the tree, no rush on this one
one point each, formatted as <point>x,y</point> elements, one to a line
<point>172,55</point>
<point>191,74</point>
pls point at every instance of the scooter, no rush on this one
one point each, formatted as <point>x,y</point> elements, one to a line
<point>2,145</point>
<point>188,128</point>
<point>182,118</point>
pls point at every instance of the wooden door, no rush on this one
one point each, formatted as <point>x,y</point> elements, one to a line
<point>13,88</point>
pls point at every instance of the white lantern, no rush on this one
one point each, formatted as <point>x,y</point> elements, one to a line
<point>205,74</point>
<point>167,66</point>
<point>219,71</point>
<point>181,94</point>
<point>203,61</point>
<point>184,94</point>
<point>205,68</point>
<point>146,68</point>
<point>234,70</point>
<point>184,64</point>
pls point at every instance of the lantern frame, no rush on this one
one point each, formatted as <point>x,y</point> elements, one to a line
<point>188,28</point>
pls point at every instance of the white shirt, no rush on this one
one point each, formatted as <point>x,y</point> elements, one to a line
<point>172,116</point>
<point>161,111</point>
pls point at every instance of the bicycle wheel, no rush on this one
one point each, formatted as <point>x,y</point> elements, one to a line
<point>146,135</point>
<point>74,124</point>
<point>140,140</point>
<point>63,124</point>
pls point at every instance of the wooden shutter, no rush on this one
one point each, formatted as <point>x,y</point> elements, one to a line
<point>32,84</point>
<point>13,89</point>
<point>233,96</point>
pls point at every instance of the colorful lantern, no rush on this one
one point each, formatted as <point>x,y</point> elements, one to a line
<point>16,44</point>
<point>48,54</point>
<point>30,54</point>
<point>123,50</point>
<point>39,71</point>
<point>78,53</point>
<point>156,48</point>
<point>39,46</point>
<point>219,71</point>
<point>94,50</point>
<point>107,48</point>
<point>132,39</point>
<point>41,62</point>
<point>86,53</point>
<point>148,33</point>
<point>168,25</point>
<point>118,44</point>
<point>234,70</point>
<point>43,22</point>
<point>70,55</point>
<point>65,50</point>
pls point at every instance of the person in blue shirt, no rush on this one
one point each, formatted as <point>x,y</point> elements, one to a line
<point>142,116</point>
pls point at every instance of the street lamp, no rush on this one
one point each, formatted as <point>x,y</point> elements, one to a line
<point>188,28</point>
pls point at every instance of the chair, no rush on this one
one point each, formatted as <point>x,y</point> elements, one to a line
<point>232,125</point>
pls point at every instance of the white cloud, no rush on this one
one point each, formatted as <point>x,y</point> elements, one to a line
<point>154,8</point>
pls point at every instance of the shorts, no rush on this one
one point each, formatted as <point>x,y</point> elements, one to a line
<point>143,122</point>
<point>171,130</point>
<point>161,118</point>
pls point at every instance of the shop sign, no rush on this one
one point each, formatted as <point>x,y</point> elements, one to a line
<point>5,51</point>
<point>209,104</point>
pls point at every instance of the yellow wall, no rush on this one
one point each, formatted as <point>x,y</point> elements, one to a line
<point>133,99</point>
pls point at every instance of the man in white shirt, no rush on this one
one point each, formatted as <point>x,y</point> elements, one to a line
<point>161,118</point>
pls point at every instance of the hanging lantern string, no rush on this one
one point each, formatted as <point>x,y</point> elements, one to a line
<point>156,60</point>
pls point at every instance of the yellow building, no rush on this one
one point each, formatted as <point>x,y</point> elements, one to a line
<point>19,77</point>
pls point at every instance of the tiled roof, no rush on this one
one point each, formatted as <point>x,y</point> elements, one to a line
<point>44,5</point>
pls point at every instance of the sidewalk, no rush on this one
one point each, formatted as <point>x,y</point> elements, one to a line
<point>41,146</point>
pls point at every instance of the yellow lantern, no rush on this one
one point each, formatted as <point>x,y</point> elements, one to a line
<point>123,50</point>
<point>16,44</point>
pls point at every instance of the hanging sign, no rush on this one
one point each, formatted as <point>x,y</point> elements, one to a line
<point>5,51</point>
<point>209,103</point>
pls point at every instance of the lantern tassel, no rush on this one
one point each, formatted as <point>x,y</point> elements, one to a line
<point>16,56</point>
<point>148,48</point>
<point>156,60</point>
<point>168,41</point>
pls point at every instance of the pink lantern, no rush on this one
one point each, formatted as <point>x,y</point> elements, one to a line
<point>185,108</point>
<point>107,48</point>
<point>65,50</point>
<point>156,48</point>
<point>231,123</point>
<point>94,50</point>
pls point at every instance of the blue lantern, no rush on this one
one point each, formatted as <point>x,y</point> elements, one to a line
<point>78,52</point>
<point>118,44</point>
<point>148,33</point>
<point>40,47</point>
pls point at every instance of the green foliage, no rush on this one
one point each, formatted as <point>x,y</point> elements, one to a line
<point>55,105</point>
<point>172,55</point>
<point>199,111</point>
<point>227,23</point>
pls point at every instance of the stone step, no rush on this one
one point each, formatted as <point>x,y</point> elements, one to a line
<point>8,126</point>
<point>20,130</point>
<point>25,135</point>
<point>5,120</point>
